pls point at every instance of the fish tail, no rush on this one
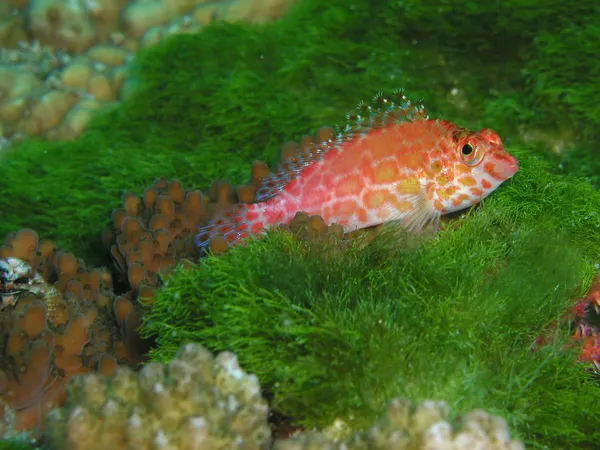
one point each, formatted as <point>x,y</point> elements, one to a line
<point>235,224</point>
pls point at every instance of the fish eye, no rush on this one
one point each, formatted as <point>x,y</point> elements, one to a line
<point>470,153</point>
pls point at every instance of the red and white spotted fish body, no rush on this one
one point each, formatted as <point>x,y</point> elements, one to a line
<point>391,163</point>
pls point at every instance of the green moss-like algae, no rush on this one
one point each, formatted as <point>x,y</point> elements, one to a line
<point>455,319</point>
<point>22,442</point>
<point>341,337</point>
<point>14,445</point>
<point>207,104</point>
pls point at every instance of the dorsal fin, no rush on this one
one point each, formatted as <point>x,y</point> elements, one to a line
<point>380,112</point>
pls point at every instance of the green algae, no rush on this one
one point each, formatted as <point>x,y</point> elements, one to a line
<point>10,444</point>
<point>207,104</point>
<point>454,319</point>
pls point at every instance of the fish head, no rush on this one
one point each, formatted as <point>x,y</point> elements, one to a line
<point>477,163</point>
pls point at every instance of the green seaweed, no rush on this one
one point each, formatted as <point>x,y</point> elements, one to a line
<point>455,318</point>
<point>20,443</point>
<point>206,105</point>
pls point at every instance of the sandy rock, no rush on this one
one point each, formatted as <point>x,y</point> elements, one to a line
<point>12,26</point>
<point>63,24</point>
<point>259,11</point>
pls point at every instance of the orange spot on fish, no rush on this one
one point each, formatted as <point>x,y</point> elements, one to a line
<point>490,168</point>
<point>344,208</point>
<point>383,214</point>
<point>435,153</point>
<point>460,199</point>
<point>450,190</point>
<point>442,180</point>
<point>385,172</point>
<point>251,215</point>
<point>438,205</point>
<point>468,181</point>
<point>462,169</point>
<point>409,186</point>
<point>344,166</point>
<point>380,144</point>
<point>362,214</point>
<point>476,191</point>
<point>374,199</point>
<point>403,205</point>
<point>436,167</point>
<point>350,185</point>
<point>412,160</point>
<point>486,184</point>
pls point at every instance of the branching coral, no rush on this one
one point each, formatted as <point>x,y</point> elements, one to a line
<point>194,402</point>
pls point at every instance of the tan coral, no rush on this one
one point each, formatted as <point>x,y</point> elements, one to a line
<point>85,48</point>
<point>65,25</point>
<point>142,15</point>
<point>75,121</point>
<point>196,401</point>
<point>425,426</point>
<point>12,26</point>
<point>257,11</point>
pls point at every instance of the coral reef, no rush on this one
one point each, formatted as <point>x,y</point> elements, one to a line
<point>422,426</point>
<point>62,60</point>
<point>207,104</point>
<point>154,232</point>
<point>193,402</point>
<point>50,298</point>
<point>359,325</point>
<point>57,320</point>
<point>151,233</point>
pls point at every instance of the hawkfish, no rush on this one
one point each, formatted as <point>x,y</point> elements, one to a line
<point>388,162</point>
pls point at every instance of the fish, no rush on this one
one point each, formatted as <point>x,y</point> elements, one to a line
<point>389,161</point>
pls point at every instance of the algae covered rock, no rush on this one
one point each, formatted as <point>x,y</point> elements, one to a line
<point>197,401</point>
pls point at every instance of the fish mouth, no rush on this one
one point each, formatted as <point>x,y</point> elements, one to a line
<point>507,167</point>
